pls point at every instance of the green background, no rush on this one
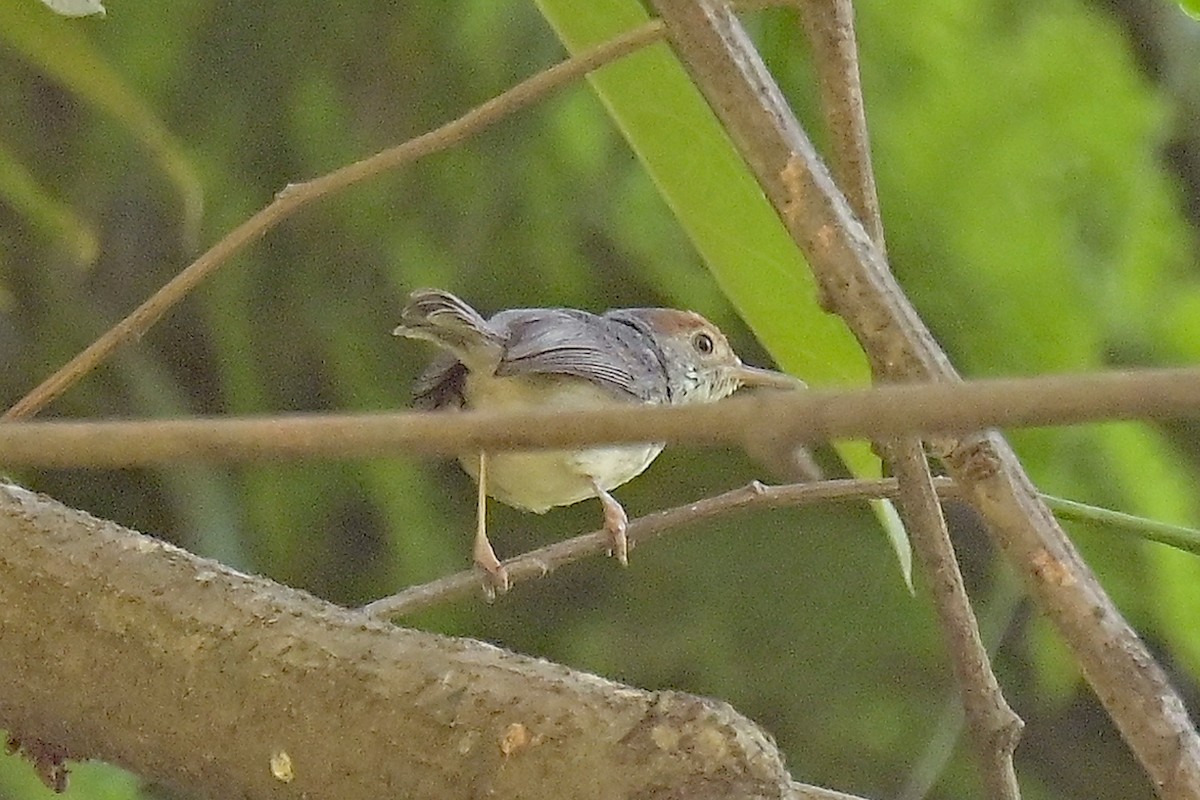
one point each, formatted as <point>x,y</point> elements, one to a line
<point>1039,174</point>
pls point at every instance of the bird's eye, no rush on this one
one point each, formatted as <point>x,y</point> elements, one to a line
<point>703,343</point>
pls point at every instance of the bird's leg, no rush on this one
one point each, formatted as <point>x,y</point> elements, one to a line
<point>615,522</point>
<point>485,556</point>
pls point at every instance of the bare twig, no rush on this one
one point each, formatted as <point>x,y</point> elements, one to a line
<point>803,791</point>
<point>753,497</point>
<point>997,614</point>
<point>545,560</point>
<point>810,416</point>
<point>829,25</point>
<point>857,284</point>
<point>993,726</point>
<point>298,195</point>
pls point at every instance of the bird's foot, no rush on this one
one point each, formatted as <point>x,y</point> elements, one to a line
<point>616,522</point>
<point>495,576</point>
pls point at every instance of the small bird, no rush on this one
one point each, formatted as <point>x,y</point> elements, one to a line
<point>561,358</point>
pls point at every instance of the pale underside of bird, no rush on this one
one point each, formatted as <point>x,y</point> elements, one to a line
<point>565,359</point>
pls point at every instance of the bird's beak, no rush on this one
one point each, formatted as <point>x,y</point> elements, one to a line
<point>753,376</point>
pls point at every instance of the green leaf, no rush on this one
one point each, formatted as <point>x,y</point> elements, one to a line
<point>720,205</point>
<point>62,50</point>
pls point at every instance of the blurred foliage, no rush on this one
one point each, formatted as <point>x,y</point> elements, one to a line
<point>63,53</point>
<point>1030,213</point>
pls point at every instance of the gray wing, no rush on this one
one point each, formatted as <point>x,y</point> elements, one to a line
<point>563,341</point>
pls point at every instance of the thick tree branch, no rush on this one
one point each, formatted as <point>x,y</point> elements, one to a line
<point>764,421</point>
<point>857,284</point>
<point>116,646</point>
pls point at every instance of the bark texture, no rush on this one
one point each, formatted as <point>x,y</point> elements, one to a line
<point>114,645</point>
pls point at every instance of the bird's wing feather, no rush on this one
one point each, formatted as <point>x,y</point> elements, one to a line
<point>563,341</point>
<point>447,321</point>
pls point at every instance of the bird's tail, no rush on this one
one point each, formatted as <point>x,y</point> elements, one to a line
<point>450,323</point>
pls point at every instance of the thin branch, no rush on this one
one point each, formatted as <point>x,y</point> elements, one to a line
<point>541,562</point>
<point>1177,536</point>
<point>993,726</point>
<point>768,418</point>
<point>857,284</point>
<point>298,195</point>
<point>803,791</point>
<point>998,611</point>
<point>829,25</point>
<point>753,497</point>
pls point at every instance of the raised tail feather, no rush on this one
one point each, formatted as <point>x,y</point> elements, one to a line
<point>448,322</point>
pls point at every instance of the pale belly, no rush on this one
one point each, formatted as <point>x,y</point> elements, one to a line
<point>538,481</point>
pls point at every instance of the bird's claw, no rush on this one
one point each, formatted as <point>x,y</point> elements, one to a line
<point>616,522</point>
<point>495,576</point>
<point>494,580</point>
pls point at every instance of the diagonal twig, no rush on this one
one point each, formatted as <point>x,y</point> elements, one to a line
<point>829,26</point>
<point>540,562</point>
<point>993,726</point>
<point>857,284</point>
<point>753,497</point>
<point>298,195</point>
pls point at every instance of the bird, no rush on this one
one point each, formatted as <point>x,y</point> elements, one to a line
<point>559,359</point>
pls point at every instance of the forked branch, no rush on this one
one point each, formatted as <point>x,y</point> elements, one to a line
<point>857,284</point>
<point>993,726</point>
